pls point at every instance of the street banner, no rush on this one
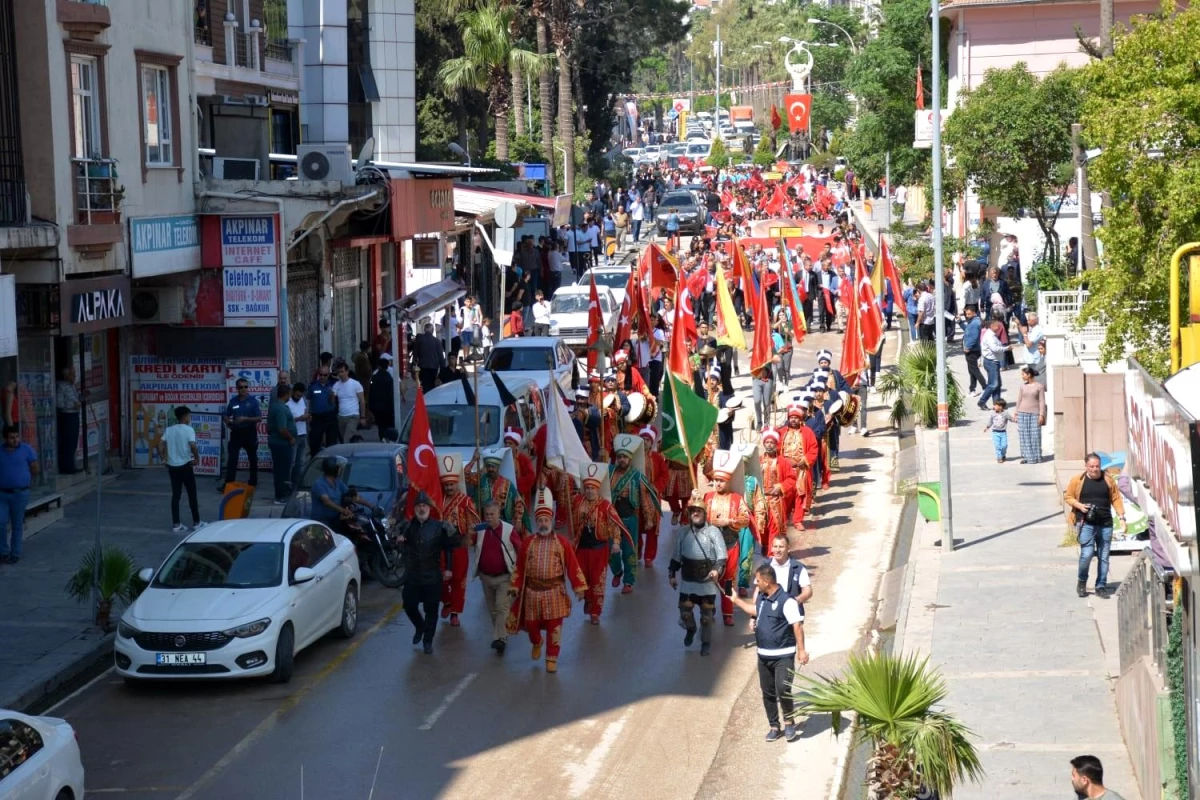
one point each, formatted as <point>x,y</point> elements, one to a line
<point>799,107</point>
<point>157,387</point>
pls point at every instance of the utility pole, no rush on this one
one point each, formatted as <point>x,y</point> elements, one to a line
<point>939,284</point>
<point>887,184</point>
<point>717,108</point>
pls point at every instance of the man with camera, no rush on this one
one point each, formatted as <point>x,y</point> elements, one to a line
<point>1091,499</point>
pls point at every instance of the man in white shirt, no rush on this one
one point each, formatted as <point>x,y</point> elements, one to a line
<point>349,394</point>
<point>593,236</point>
<point>541,314</point>
<point>799,586</point>
<point>298,405</point>
<point>556,258</point>
<point>583,250</point>
<point>927,313</point>
<point>177,447</point>
<point>993,361</point>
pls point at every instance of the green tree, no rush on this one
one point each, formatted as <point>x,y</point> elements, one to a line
<point>489,53</point>
<point>896,702</point>
<point>718,156</point>
<point>1011,138</point>
<point>1142,111</point>
<point>764,153</point>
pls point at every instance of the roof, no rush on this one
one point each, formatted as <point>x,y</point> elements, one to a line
<point>244,530</point>
<point>526,341</point>
<point>622,268</point>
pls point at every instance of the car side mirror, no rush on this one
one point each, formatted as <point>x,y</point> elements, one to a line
<point>146,574</point>
<point>303,575</point>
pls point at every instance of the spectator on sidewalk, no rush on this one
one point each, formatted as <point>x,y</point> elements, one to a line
<point>1030,416</point>
<point>242,415</point>
<point>18,465</point>
<point>68,405</point>
<point>177,448</point>
<point>516,321</point>
<point>927,313</point>
<point>281,439</point>
<point>322,408</point>
<point>972,329</point>
<point>1087,778</point>
<point>381,398</point>
<point>1091,498</point>
<point>541,314</point>
<point>429,356</point>
<point>998,425</point>
<point>912,297</point>
<point>993,359</point>
<point>351,408</point>
<point>298,405</point>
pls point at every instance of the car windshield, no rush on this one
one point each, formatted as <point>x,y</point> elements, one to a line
<point>678,149</point>
<point>374,473</point>
<point>222,565</point>
<point>570,303</point>
<point>698,149</point>
<point>613,280</point>
<point>521,359</point>
<point>676,200</point>
<point>454,425</point>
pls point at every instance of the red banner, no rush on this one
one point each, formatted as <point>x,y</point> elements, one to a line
<point>798,106</point>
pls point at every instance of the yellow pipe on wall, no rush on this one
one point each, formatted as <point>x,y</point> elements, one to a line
<point>1176,336</point>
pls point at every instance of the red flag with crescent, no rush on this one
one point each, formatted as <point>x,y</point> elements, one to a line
<point>870,316</point>
<point>422,463</point>
<point>776,120</point>
<point>798,107</point>
<point>595,323</point>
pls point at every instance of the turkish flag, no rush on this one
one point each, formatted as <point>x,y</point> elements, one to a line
<point>853,359</point>
<point>776,120</point>
<point>422,463</point>
<point>890,273</point>
<point>778,203</point>
<point>798,106</point>
<point>763,346</point>
<point>629,309</point>
<point>677,358</point>
<point>870,317</point>
<point>595,323</point>
<point>659,267</point>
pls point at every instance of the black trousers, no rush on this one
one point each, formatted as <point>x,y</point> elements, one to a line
<point>322,432</point>
<point>656,376</point>
<point>775,680</point>
<point>281,469</point>
<point>242,440</point>
<point>972,357</point>
<point>428,378</point>
<point>68,441</point>
<point>183,478</point>
<point>418,599</point>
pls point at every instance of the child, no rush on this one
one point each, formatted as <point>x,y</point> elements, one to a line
<point>485,335</point>
<point>998,425</point>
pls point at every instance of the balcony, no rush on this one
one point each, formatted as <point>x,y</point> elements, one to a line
<point>255,53</point>
<point>83,19</point>
<point>98,197</point>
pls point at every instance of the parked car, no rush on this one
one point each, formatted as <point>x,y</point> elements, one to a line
<point>39,758</point>
<point>239,598</point>
<point>531,358</point>
<point>692,213</point>
<point>614,278</point>
<point>569,313</point>
<point>373,468</point>
<point>632,153</point>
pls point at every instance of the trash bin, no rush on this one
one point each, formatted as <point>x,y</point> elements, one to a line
<point>237,500</point>
<point>929,500</point>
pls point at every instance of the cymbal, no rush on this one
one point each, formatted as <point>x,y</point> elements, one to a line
<point>707,351</point>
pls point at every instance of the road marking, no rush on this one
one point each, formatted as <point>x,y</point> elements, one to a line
<point>78,692</point>
<point>584,773</point>
<point>264,727</point>
<point>432,719</point>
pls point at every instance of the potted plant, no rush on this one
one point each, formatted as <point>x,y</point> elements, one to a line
<point>912,387</point>
<point>114,577</point>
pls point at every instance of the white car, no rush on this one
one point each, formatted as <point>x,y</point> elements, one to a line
<point>533,358</point>
<point>239,598</point>
<point>569,313</point>
<point>615,278</point>
<point>632,153</point>
<point>39,759</point>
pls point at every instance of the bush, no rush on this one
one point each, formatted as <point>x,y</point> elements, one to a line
<point>912,387</point>
<point>821,161</point>
<point>764,154</point>
<point>1043,277</point>
<point>718,157</point>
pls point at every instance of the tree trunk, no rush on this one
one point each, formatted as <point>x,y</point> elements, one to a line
<point>546,101</point>
<point>1106,28</point>
<point>566,124</point>
<point>518,100</point>
<point>580,117</point>
<point>502,134</point>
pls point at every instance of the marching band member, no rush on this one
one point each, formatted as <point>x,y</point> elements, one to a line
<point>728,512</point>
<point>637,504</point>
<point>598,535</point>
<point>460,511</point>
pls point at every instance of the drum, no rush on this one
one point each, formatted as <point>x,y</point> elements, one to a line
<point>849,414</point>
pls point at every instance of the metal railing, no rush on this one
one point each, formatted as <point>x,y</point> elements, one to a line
<point>201,23</point>
<point>1142,610</point>
<point>1058,313</point>
<point>275,18</point>
<point>242,53</point>
<point>98,192</point>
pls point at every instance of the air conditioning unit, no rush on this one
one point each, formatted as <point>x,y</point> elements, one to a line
<point>158,305</point>
<point>235,169</point>
<point>325,162</point>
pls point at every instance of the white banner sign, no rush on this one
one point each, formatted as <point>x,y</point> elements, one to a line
<point>251,296</point>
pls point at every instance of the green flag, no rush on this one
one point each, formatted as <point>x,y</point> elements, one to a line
<point>687,421</point>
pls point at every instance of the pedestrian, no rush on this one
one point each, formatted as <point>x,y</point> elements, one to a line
<point>972,328</point>
<point>1087,773</point>
<point>541,314</point>
<point>1091,498</point>
<point>700,558</point>
<point>637,215</point>
<point>322,408</point>
<point>18,465</point>
<point>516,320</point>
<point>472,322</point>
<point>546,567</point>
<point>998,425</point>
<point>783,338</point>
<point>993,359</point>
<point>912,295</point>
<point>1030,415</point>
<point>350,405</point>
<point>429,356</point>
<point>298,405</point>
<point>927,313</point>
<point>426,541</point>
<point>382,395</point>
<point>779,635</point>
<point>496,546</point>
<point>281,439</point>
<point>68,407</point>
<point>242,415</point>
<point>177,448</point>
<point>672,229</point>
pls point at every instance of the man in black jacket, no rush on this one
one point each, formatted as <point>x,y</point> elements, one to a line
<point>425,541</point>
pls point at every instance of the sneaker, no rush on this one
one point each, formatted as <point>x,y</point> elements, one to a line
<point>774,735</point>
<point>180,528</point>
<point>790,733</point>
<point>428,648</point>
<point>280,503</point>
<point>1081,588</point>
<point>689,637</point>
<point>1101,591</point>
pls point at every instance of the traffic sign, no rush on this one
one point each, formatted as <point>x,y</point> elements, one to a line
<point>506,215</point>
<point>681,104</point>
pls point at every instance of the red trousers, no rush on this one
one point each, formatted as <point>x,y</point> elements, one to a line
<point>594,563</point>
<point>649,545</point>
<point>454,591</point>
<point>729,579</point>
<point>799,509</point>
<point>553,629</point>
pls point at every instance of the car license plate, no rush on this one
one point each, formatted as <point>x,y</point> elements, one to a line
<point>179,659</point>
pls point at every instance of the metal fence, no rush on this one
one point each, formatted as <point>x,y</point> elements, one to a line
<point>275,19</point>
<point>98,192</point>
<point>1143,604</point>
<point>1058,312</point>
<point>201,23</point>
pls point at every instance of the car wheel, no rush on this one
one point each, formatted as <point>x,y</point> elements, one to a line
<point>285,655</point>
<point>349,612</point>
<point>64,794</point>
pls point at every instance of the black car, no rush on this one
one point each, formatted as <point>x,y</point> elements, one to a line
<point>692,213</point>
<point>373,468</point>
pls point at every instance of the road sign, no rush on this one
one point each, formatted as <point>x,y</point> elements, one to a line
<point>681,104</point>
<point>506,244</point>
<point>506,215</point>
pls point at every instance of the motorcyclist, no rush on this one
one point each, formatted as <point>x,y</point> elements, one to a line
<point>332,499</point>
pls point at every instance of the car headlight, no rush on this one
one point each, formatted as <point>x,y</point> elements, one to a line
<point>249,629</point>
<point>126,631</point>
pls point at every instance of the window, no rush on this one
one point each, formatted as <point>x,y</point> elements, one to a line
<point>85,100</point>
<point>18,744</point>
<point>156,115</point>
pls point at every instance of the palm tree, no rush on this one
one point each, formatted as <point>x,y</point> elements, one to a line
<point>545,90</point>
<point>561,30</point>
<point>489,55</point>
<point>916,746</point>
<point>912,387</point>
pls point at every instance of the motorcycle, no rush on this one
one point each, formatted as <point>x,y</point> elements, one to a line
<point>379,554</point>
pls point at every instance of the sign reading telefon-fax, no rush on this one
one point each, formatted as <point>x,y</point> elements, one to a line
<point>249,241</point>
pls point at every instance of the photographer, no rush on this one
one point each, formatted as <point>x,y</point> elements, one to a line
<point>1091,499</point>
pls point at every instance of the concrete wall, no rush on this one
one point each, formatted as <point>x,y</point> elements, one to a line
<point>1140,706</point>
<point>42,122</point>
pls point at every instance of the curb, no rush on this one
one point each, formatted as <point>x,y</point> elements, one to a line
<point>35,694</point>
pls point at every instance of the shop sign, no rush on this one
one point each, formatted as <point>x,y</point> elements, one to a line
<point>251,296</point>
<point>95,305</point>
<point>262,375</point>
<point>421,205</point>
<point>163,245</point>
<point>157,387</point>
<point>1161,462</point>
<point>8,316</point>
<point>249,240</point>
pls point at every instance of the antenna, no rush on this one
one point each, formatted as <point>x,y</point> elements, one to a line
<point>367,153</point>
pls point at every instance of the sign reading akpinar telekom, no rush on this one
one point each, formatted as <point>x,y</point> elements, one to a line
<point>163,245</point>
<point>248,241</point>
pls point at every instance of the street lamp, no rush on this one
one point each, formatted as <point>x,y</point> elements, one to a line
<point>815,21</point>
<point>458,150</point>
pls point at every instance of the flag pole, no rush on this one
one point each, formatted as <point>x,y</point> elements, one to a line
<point>939,283</point>
<point>475,374</point>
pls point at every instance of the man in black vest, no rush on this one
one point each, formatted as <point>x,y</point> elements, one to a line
<point>779,634</point>
<point>790,574</point>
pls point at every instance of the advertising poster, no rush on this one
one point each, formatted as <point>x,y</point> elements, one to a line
<point>262,375</point>
<point>248,240</point>
<point>157,387</point>
<point>251,296</point>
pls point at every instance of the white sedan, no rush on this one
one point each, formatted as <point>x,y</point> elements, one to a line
<point>239,598</point>
<point>39,759</point>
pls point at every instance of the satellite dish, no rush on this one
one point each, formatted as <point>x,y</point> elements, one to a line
<point>367,153</point>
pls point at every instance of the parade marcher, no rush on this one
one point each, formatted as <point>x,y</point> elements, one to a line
<point>546,567</point>
<point>428,544</point>
<point>562,488</point>
<point>657,472</point>
<point>490,484</point>
<point>752,493</point>
<point>598,534</point>
<point>586,418</point>
<point>526,478</point>
<point>614,408</point>
<point>636,502</point>
<point>680,485</point>
<point>818,423</point>
<point>778,490</point>
<point>727,511</point>
<point>496,546</point>
<point>801,449</point>
<point>700,557</point>
<point>460,511</point>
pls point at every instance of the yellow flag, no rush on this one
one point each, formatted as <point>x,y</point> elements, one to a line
<point>729,329</point>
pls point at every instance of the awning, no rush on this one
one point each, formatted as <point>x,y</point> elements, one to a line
<point>483,205</point>
<point>428,299</point>
<point>497,197</point>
